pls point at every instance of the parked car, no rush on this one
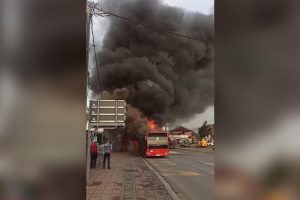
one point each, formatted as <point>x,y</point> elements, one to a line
<point>172,144</point>
<point>211,144</point>
<point>185,143</point>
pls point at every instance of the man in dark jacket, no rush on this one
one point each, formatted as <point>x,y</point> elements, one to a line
<point>107,152</point>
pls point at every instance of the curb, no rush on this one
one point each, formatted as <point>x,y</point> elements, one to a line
<point>164,182</point>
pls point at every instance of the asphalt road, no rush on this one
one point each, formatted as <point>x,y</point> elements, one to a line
<point>189,173</point>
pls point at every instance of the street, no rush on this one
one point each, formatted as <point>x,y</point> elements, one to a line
<point>189,173</point>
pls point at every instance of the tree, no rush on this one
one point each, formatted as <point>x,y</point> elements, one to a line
<point>203,131</point>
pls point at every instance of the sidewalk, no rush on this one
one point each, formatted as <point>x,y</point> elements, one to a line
<point>129,178</point>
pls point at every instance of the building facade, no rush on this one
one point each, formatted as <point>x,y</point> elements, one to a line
<point>181,132</point>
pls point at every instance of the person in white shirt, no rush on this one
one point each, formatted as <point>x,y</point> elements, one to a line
<point>107,152</point>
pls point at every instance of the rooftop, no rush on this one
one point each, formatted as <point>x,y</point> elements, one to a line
<point>181,129</point>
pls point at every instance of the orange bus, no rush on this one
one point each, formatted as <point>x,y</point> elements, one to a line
<point>157,144</point>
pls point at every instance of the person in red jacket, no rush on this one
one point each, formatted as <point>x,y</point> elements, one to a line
<point>94,154</point>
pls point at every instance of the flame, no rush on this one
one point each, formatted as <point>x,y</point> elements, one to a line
<point>152,126</point>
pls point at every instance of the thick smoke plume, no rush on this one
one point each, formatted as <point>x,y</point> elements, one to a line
<point>163,77</point>
<point>136,122</point>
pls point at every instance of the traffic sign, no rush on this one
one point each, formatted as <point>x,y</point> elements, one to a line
<point>107,113</point>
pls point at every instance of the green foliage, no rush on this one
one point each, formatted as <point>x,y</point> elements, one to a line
<point>203,131</point>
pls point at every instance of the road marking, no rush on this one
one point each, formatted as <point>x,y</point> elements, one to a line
<point>211,164</point>
<point>180,173</point>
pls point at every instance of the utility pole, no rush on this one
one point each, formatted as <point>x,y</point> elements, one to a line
<point>92,9</point>
<point>90,12</point>
<point>89,9</point>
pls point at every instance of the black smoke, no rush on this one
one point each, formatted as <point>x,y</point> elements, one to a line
<point>168,77</point>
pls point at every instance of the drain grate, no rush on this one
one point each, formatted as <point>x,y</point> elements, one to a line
<point>96,183</point>
<point>130,170</point>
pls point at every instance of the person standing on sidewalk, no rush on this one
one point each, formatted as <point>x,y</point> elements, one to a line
<point>94,154</point>
<point>107,152</point>
<point>101,154</point>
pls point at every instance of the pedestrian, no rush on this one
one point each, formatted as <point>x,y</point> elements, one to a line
<point>94,154</point>
<point>101,153</point>
<point>107,152</point>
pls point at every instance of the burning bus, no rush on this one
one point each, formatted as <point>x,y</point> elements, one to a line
<point>157,144</point>
<point>154,142</point>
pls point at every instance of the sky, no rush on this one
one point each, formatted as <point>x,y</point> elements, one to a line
<point>198,120</point>
<point>202,6</point>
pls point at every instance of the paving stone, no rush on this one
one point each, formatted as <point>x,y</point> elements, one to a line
<point>129,179</point>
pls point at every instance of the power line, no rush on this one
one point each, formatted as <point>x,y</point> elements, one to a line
<point>106,13</point>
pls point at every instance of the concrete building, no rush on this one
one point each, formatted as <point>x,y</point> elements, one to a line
<point>181,132</point>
